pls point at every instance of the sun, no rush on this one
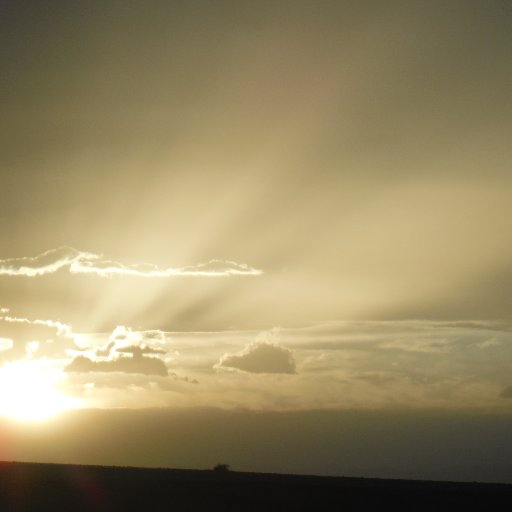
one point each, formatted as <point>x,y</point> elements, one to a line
<point>29,391</point>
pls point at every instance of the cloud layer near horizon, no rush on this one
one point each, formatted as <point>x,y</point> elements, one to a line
<point>80,262</point>
<point>332,365</point>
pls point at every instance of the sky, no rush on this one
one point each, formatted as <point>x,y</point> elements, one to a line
<point>249,214</point>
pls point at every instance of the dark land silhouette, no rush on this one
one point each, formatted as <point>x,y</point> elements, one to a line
<point>41,487</point>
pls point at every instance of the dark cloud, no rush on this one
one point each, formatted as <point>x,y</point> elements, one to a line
<point>105,352</point>
<point>154,334</point>
<point>135,350</point>
<point>261,358</point>
<point>153,384</point>
<point>507,392</point>
<point>123,333</point>
<point>138,351</point>
<point>110,357</point>
<point>135,364</point>
<point>190,380</point>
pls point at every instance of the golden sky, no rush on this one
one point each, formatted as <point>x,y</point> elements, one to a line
<point>273,205</point>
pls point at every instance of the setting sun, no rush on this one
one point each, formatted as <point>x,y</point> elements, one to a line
<point>30,392</point>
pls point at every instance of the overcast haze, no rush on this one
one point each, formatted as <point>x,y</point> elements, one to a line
<point>273,207</point>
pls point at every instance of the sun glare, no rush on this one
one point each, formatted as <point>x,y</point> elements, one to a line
<point>29,391</point>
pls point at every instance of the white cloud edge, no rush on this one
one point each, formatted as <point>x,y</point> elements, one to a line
<point>80,262</point>
<point>60,327</point>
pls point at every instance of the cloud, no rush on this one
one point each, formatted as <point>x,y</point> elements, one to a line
<point>137,350</point>
<point>417,345</point>
<point>79,262</point>
<point>27,337</point>
<point>46,263</point>
<point>124,340</point>
<point>507,392</point>
<point>105,352</point>
<point>488,326</point>
<point>134,364</point>
<point>260,357</point>
<point>61,329</point>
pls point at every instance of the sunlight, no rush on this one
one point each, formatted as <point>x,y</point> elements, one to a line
<point>29,391</point>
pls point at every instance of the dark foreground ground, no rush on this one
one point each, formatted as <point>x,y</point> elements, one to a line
<point>53,487</point>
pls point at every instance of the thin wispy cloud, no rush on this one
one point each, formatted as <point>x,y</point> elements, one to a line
<point>80,262</point>
<point>25,338</point>
<point>60,327</point>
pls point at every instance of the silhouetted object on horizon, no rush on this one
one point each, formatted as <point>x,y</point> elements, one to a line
<point>221,468</point>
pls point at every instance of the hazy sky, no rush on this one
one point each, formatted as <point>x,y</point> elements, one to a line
<point>282,206</point>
